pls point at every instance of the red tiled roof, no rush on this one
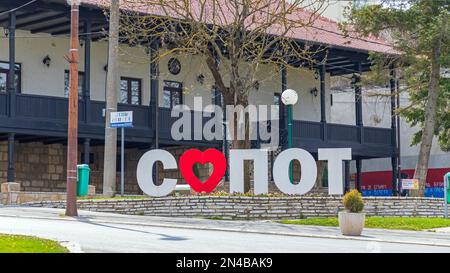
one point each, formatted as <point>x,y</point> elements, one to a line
<point>322,30</point>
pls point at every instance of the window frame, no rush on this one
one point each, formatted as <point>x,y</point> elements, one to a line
<point>129,81</point>
<point>172,90</point>
<point>80,73</point>
<point>217,96</point>
<point>19,74</point>
<point>280,102</point>
<point>278,95</point>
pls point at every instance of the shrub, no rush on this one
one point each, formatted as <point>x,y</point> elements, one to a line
<point>353,201</point>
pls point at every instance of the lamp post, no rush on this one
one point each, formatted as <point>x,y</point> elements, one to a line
<point>289,97</point>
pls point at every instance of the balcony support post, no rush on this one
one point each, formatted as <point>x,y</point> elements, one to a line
<point>347,176</point>
<point>154,97</point>
<point>323,117</point>
<point>154,91</point>
<point>395,154</point>
<point>87,150</point>
<point>12,65</point>
<point>358,175</point>
<point>283,112</point>
<point>11,175</point>
<point>87,70</point>
<point>358,103</point>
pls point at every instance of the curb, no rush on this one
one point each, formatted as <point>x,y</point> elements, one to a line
<point>73,247</point>
<point>251,231</point>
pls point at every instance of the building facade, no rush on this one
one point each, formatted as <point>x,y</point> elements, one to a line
<point>33,106</point>
<point>376,177</point>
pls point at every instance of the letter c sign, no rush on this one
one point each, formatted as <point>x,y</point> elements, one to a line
<point>144,175</point>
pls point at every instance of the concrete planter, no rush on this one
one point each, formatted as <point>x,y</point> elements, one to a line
<point>351,224</point>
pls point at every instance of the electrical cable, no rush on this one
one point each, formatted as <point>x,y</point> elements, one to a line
<point>17,8</point>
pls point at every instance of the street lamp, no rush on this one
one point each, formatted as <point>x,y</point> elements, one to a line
<point>289,97</point>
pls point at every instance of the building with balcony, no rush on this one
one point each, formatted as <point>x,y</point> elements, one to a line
<point>376,177</point>
<point>33,107</point>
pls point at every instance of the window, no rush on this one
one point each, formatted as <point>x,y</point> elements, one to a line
<point>4,76</point>
<point>277,101</point>
<point>80,84</point>
<point>216,97</point>
<point>359,3</point>
<point>172,94</point>
<point>130,91</point>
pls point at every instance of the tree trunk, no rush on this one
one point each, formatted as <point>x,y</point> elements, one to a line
<point>430,118</point>
<point>245,143</point>
<point>112,88</point>
<point>320,171</point>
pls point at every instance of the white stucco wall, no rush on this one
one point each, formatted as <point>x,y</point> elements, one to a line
<point>377,113</point>
<point>39,79</point>
<point>335,9</point>
<point>308,105</point>
<point>376,109</point>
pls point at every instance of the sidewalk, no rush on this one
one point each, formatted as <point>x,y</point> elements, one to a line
<point>442,230</point>
<point>258,227</point>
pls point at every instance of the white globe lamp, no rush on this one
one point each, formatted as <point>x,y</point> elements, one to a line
<point>289,97</point>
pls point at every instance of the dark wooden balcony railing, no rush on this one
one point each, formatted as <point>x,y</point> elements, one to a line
<point>342,132</point>
<point>306,129</point>
<point>381,136</point>
<point>375,142</point>
<point>3,104</point>
<point>39,114</point>
<point>44,114</point>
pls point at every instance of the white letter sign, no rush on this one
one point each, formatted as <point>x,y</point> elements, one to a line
<point>145,173</point>
<point>334,158</point>
<point>260,170</point>
<point>281,171</point>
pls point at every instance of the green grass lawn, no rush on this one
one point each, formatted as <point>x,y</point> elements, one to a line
<point>403,223</point>
<point>28,244</point>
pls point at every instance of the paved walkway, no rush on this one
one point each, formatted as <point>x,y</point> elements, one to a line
<point>441,230</point>
<point>423,238</point>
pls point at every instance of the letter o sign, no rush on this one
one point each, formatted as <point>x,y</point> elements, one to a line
<point>281,171</point>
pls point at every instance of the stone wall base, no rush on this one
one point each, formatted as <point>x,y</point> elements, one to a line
<point>258,208</point>
<point>11,195</point>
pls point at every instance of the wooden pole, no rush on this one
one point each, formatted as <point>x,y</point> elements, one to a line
<point>72,131</point>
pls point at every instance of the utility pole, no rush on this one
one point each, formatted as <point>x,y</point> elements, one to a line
<point>112,88</point>
<point>72,130</point>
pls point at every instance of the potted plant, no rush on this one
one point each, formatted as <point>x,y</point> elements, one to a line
<point>351,221</point>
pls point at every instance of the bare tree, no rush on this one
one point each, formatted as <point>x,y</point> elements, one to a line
<point>112,87</point>
<point>234,38</point>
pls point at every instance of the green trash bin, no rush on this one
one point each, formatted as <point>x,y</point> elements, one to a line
<point>83,179</point>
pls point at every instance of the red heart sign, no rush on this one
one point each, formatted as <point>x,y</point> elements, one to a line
<point>213,156</point>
